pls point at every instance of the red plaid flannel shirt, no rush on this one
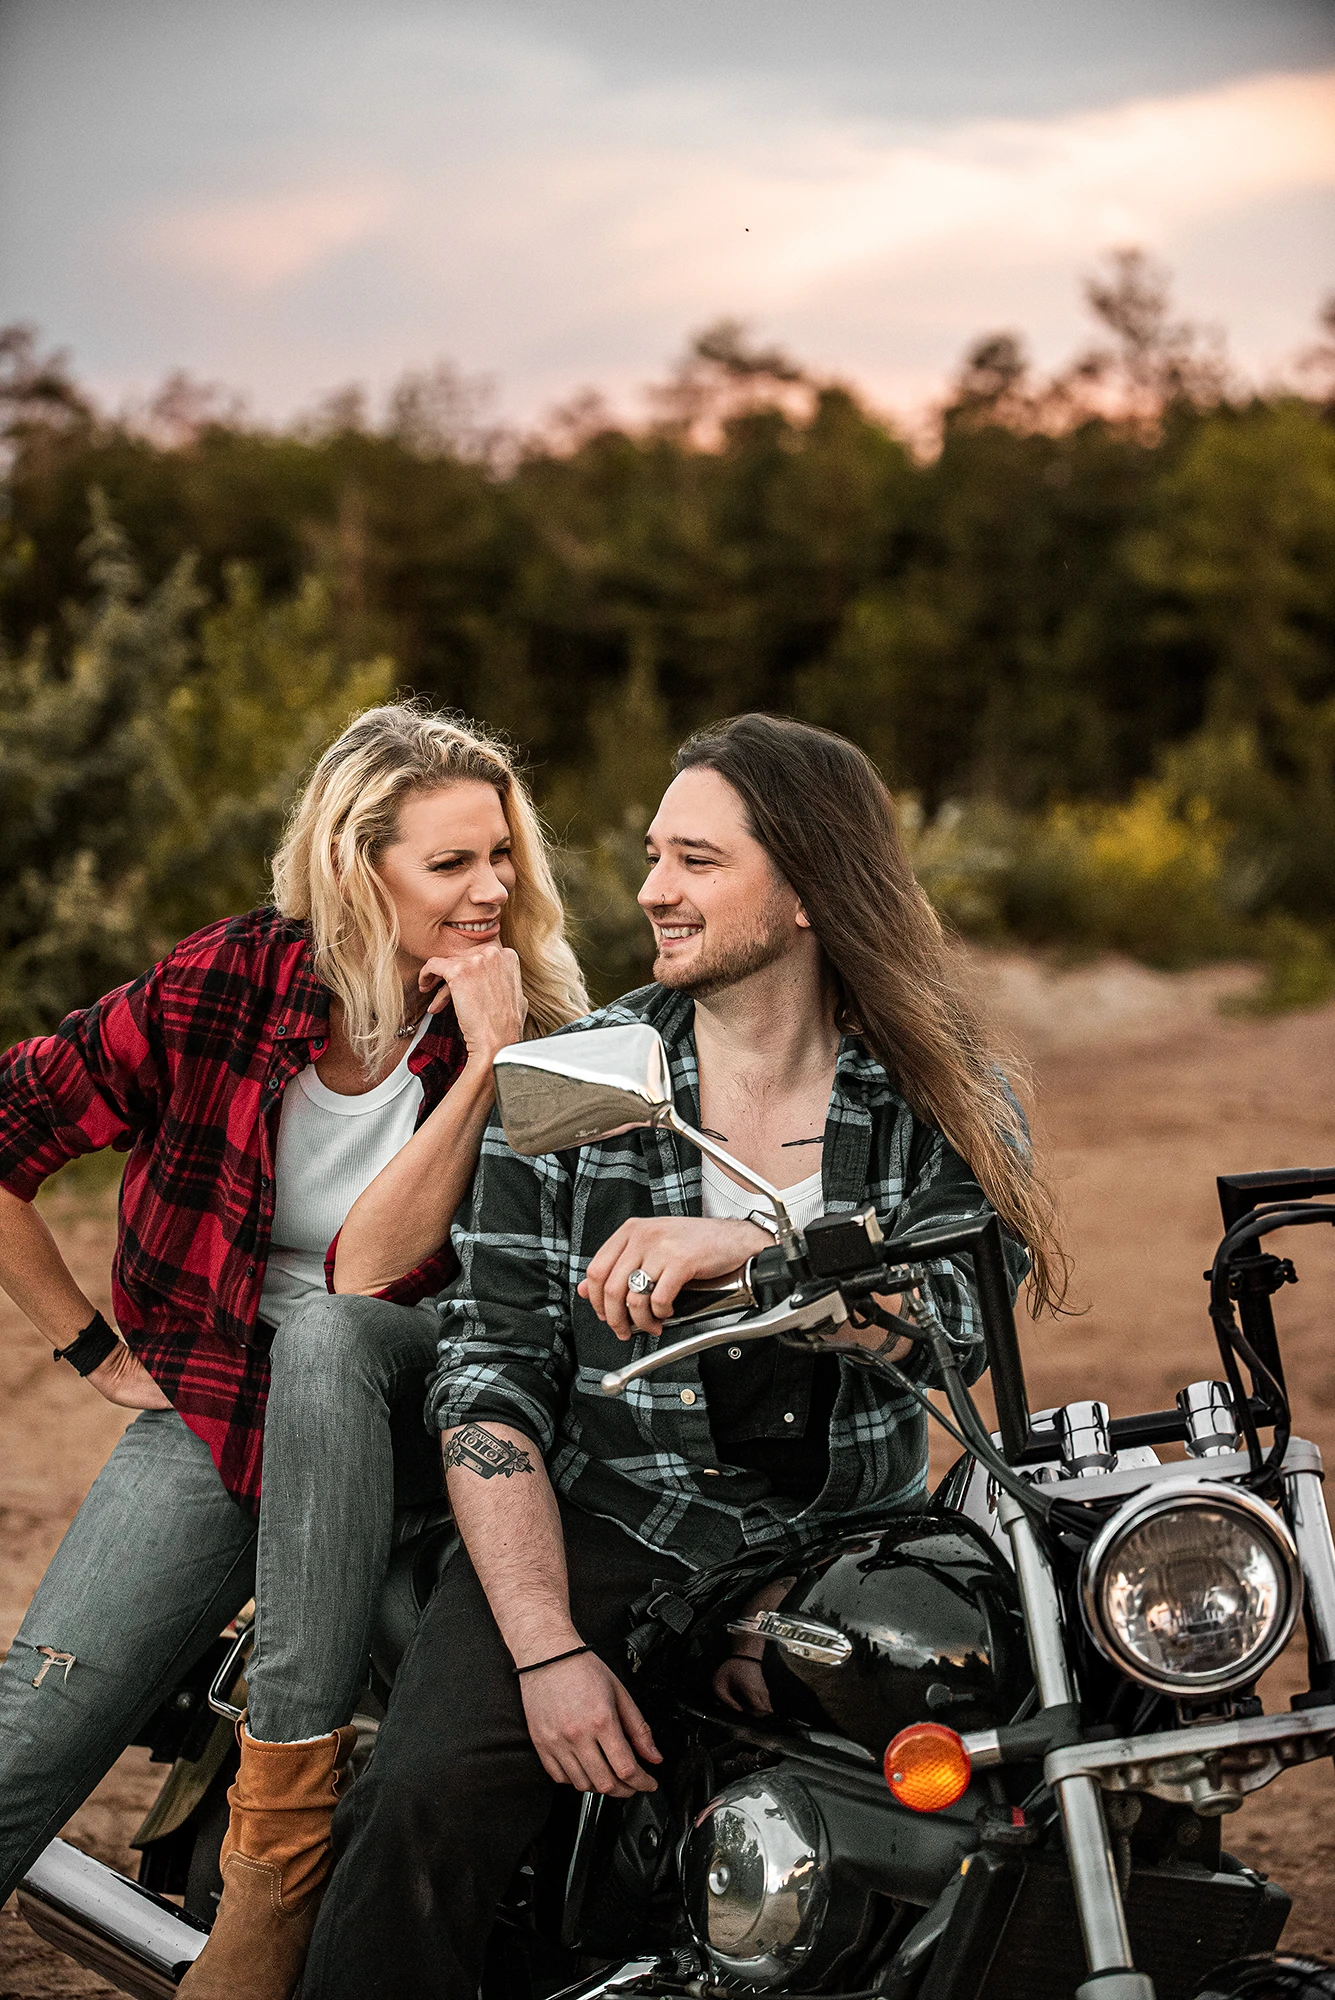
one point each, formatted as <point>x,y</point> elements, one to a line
<point>185,1069</point>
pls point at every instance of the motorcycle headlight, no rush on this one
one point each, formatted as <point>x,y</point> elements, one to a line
<point>754,1869</point>
<point>1192,1588</point>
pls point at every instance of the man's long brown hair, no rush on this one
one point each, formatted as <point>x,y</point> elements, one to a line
<point>819,807</point>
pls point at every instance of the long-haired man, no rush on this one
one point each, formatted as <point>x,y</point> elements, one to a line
<point>812,1017</point>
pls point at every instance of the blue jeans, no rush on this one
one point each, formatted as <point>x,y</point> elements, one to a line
<point>159,1557</point>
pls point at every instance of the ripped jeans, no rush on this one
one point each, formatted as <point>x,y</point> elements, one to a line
<point>159,1557</point>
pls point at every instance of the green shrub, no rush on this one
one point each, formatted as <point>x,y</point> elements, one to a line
<point>1145,878</point>
<point>1299,968</point>
<point>146,768</point>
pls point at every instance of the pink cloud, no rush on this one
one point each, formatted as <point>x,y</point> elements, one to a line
<point>260,241</point>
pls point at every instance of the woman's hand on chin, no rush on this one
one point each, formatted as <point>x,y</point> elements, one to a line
<point>125,1381</point>
<point>674,1251</point>
<point>488,993</point>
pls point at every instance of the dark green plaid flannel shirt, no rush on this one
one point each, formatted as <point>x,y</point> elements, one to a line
<point>521,1347</point>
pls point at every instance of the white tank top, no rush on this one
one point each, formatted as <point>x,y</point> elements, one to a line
<point>723,1200</point>
<point>330,1149</point>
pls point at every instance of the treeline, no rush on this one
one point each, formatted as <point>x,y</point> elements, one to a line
<point>1087,629</point>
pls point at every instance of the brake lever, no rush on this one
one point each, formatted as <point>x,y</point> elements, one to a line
<point>827,1308</point>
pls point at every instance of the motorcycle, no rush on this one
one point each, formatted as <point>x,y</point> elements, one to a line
<point>1002,1733</point>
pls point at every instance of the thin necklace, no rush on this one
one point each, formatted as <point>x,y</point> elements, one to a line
<point>411,1027</point>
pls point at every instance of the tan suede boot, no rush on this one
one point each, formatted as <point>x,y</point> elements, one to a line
<point>274,1861</point>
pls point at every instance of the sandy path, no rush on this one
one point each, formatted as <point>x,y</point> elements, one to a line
<point>1144,1093</point>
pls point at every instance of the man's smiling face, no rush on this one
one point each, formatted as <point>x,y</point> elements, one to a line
<point>719,908</point>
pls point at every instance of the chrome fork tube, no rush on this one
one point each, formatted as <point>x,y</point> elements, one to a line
<point>1042,1607</point>
<point>1098,1899</point>
<point>1305,1505</point>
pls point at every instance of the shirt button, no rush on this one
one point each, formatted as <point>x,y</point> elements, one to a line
<point>788,1417</point>
<point>734,1354</point>
<point>250,1270</point>
<point>280,1031</point>
<point>688,1396</point>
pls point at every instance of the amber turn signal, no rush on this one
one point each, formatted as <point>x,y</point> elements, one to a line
<point>927,1767</point>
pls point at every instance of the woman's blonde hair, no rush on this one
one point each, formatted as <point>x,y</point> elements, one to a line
<point>325,871</point>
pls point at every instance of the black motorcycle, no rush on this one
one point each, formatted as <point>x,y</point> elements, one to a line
<point>1002,1734</point>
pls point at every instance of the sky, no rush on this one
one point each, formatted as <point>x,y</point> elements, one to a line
<point>554,194</point>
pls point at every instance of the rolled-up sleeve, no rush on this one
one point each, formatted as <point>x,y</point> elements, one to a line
<point>431,1275</point>
<point>96,1081</point>
<point>505,1352</point>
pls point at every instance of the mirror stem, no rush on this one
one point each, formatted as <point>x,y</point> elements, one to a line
<point>787,1235</point>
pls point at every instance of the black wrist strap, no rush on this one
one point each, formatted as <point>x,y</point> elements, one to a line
<point>533,1665</point>
<point>89,1348</point>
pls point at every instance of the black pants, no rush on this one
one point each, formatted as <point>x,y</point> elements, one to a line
<point>427,1842</point>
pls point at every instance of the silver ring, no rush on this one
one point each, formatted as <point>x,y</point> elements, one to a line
<point>640,1281</point>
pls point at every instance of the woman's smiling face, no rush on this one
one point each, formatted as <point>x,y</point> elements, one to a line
<point>449,871</point>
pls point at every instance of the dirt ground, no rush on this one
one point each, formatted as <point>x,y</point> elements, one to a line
<point>1144,1091</point>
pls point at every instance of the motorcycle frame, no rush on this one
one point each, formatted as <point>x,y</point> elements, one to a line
<point>1076,1784</point>
<point>1077,1781</point>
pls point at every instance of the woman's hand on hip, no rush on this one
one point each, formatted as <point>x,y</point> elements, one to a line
<point>125,1381</point>
<point>488,994</point>
<point>673,1250</point>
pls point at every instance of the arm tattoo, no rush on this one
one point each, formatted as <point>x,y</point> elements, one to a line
<point>476,1450</point>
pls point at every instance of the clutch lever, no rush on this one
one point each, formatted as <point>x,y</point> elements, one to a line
<point>825,1309</point>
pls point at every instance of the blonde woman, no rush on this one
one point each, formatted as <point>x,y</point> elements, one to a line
<point>301,1092</point>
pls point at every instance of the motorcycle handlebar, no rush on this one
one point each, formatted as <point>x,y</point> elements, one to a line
<point>826,1308</point>
<point>870,1263</point>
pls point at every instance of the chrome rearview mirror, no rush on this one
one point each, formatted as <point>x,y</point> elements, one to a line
<point>574,1090</point>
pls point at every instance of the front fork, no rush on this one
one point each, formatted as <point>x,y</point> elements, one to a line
<point>1098,1899</point>
<point>1305,1506</point>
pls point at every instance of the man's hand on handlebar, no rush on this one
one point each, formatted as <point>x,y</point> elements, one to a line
<point>674,1251</point>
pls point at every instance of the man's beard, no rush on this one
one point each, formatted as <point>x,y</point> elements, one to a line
<point>728,964</point>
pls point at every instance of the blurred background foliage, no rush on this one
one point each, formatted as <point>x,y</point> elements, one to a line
<point>1085,624</point>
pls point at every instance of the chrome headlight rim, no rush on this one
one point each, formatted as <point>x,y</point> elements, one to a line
<point>1170,1498</point>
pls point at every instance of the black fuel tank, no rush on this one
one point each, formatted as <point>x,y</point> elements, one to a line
<point>933,1614</point>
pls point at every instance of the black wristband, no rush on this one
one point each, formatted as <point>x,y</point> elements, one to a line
<point>89,1348</point>
<point>533,1665</point>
